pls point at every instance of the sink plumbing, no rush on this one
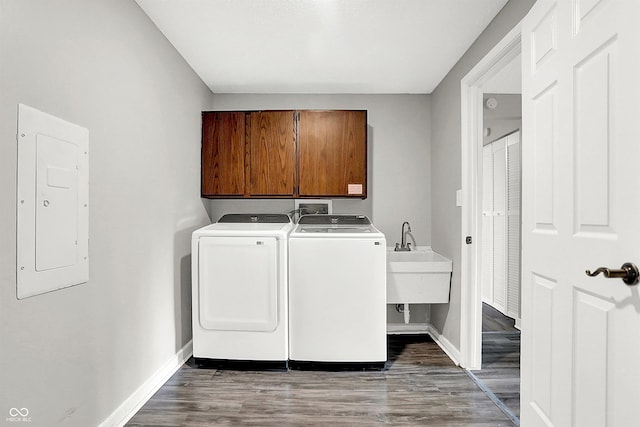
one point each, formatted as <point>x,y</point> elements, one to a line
<point>404,246</point>
<point>404,309</point>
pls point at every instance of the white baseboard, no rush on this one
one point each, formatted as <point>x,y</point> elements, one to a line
<point>133,403</point>
<point>445,345</point>
<point>407,328</point>
<point>518,324</point>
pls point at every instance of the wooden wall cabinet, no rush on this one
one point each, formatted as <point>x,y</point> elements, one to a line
<point>272,157</point>
<point>284,154</point>
<point>332,154</point>
<point>223,154</point>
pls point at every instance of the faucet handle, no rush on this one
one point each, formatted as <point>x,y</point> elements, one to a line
<point>408,246</point>
<point>397,246</point>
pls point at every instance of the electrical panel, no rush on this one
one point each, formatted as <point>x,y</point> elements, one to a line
<point>52,203</point>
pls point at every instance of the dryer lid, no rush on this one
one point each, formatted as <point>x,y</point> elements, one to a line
<point>255,218</point>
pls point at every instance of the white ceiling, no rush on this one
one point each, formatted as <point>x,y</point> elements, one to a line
<point>321,46</point>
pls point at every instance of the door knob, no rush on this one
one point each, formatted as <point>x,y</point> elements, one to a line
<point>628,273</point>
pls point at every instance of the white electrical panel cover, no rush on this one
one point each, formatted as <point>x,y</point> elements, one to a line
<point>52,203</point>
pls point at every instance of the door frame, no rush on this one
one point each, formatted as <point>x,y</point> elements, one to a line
<point>471,139</point>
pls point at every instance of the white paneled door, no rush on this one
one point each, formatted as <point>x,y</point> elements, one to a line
<point>581,210</point>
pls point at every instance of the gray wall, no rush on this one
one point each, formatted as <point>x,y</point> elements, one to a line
<point>399,180</point>
<point>446,161</point>
<point>73,356</point>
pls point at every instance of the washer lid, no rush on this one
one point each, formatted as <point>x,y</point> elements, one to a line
<point>335,226</point>
<point>334,229</point>
<point>255,218</point>
<point>324,220</point>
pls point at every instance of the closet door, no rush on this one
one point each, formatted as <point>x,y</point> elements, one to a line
<point>494,226</point>
<point>513,226</point>
<point>499,225</point>
<point>487,224</point>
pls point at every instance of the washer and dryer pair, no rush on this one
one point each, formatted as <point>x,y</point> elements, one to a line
<point>268,291</point>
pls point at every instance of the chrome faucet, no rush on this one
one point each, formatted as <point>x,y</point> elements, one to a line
<point>404,246</point>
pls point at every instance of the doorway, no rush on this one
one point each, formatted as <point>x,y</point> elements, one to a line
<point>499,175</point>
<point>498,367</point>
<point>501,198</point>
<point>473,85</point>
<point>501,236</point>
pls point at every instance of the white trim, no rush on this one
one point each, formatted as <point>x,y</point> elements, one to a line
<point>445,345</point>
<point>133,403</point>
<point>471,140</point>
<point>407,328</point>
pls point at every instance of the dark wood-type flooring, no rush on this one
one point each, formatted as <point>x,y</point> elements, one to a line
<point>419,386</point>
<point>494,321</point>
<point>500,371</point>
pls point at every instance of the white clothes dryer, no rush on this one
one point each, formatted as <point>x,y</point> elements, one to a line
<point>239,294</point>
<point>337,292</point>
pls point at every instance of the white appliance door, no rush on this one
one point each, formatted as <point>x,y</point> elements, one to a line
<point>581,210</point>
<point>337,305</point>
<point>238,283</point>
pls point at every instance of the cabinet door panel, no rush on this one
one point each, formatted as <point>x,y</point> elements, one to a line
<point>273,153</point>
<point>223,149</point>
<point>332,156</point>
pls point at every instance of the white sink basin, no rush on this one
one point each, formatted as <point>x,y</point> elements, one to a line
<point>419,260</point>
<point>420,276</point>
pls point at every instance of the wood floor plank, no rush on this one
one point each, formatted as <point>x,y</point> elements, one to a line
<point>500,371</point>
<point>494,321</point>
<point>419,386</point>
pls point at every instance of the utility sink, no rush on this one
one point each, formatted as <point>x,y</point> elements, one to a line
<point>419,276</point>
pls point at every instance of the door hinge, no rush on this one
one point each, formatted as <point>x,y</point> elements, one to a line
<point>468,240</point>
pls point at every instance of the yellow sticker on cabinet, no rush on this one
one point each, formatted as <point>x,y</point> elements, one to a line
<point>354,189</point>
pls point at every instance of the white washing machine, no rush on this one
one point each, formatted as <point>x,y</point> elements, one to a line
<point>239,295</point>
<point>337,292</point>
